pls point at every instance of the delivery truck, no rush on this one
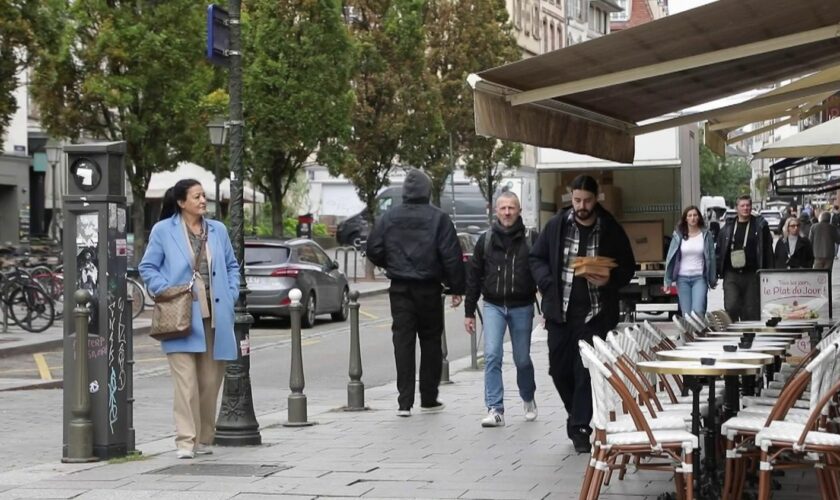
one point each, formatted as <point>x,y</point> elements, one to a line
<point>647,198</point>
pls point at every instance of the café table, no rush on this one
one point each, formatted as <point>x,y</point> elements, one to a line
<point>813,328</point>
<point>777,350</point>
<point>706,484</point>
<point>759,334</point>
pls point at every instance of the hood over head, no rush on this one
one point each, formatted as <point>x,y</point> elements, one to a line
<point>417,186</point>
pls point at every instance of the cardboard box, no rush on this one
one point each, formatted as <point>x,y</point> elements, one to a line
<point>646,238</point>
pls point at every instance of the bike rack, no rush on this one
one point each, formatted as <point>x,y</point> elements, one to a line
<point>345,251</point>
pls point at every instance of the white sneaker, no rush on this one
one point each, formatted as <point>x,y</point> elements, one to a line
<point>181,453</point>
<point>203,449</point>
<point>403,413</point>
<point>530,410</point>
<point>493,419</point>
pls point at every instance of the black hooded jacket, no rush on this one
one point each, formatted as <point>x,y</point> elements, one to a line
<point>416,241</point>
<point>503,277</point>
<point>547,266</point>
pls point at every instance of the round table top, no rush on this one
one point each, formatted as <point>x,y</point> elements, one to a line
<point>781,341</point>
<point>747,357</point>
<point>759,333</point>
<point>695,368</point>
<point>714,347</point>
<point>761,326</point>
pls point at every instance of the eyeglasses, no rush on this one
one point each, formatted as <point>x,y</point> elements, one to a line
<point>793,225</point>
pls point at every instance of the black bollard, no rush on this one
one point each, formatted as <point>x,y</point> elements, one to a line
<point>355,388</point>
<point>80,428</point>
<point>297,399</point>
<point>444,367</point>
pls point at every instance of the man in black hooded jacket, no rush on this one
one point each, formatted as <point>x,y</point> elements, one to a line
<point>579,307</point>
<point>417,246</point>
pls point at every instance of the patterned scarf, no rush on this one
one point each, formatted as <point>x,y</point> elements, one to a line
<point>570,251</point>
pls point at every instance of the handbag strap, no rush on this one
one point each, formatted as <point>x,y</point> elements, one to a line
<point>198,256</point>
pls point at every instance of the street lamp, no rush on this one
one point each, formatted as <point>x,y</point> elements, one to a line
<point>237,425</point>
<point>53,149</point>
<point>218,137</point>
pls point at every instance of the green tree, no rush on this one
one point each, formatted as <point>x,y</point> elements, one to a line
<point>297,89</point>
<point>27,28</point>
<point>465,37</point>
<point>728,177</point>
<point>134,72</point>
<point>389,34</point>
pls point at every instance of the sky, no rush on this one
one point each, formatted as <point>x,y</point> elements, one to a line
<point>677,6</point>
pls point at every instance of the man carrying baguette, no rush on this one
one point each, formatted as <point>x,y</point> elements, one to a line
<point>579,262</point>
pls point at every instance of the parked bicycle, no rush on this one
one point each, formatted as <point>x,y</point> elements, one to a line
<point>137,292</point>
<point>24,302</point>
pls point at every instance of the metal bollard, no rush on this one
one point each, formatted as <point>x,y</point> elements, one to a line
<point>80,428</point>
<point>355,388</point>
<point>444,368</point>
<point>297,399</point>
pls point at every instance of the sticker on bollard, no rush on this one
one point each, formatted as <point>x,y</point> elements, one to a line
<point>245,346</point>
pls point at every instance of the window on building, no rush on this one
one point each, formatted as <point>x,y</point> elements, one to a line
<point>624,15</point>
<point>517,14</point>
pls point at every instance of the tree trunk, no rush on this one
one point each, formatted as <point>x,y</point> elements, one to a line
<point>138,219</point>
<point>277,218</point>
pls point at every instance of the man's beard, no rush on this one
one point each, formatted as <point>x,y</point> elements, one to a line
<point>583,214</point>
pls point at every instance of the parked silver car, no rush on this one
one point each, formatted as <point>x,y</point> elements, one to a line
<point>274,267</point>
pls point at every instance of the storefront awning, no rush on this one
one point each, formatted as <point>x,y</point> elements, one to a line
<point>593,98</point>
<point>818,141</point>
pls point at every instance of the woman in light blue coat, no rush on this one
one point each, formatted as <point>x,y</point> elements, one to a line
<point>196,361</point>
<point>691,262</point>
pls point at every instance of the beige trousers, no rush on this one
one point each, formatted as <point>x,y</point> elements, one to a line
<point>197,378</point>
<point>823,263</point>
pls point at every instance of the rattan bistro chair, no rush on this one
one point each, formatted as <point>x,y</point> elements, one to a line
<point>675,445</point>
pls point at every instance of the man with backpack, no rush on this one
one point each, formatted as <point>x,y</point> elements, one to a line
<point>499,271</point>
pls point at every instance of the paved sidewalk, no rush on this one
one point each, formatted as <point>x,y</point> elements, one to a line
<point>372,454</point>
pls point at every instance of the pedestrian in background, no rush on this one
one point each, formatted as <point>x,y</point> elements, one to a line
<point>792,250</point>
<point>835,221</point>
<point>196,362</point>
<point>691,262</point>
<point>579,307</point>
<point>805,223</point>
<point>417,246</point>
<point>744,246</point>
<point>499,271</point>
<point>824,237</point>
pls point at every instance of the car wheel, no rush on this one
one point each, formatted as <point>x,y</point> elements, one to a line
<point>307,319</point>
<point>341,314</point>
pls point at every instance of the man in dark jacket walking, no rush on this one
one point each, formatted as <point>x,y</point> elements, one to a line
<point>744,246</point>
<point>417,246</point>
<point>579,307</point>
<point>499,271</point>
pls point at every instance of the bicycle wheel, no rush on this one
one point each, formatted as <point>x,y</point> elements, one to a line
<point>135,291</point>
<point>53,284</point>
<point>31,309</point>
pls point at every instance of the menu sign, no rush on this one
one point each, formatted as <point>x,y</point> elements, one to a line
<point>795,294</point>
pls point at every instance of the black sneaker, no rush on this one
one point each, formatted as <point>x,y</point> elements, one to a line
<point>580,440</point>
<point>432,408</point>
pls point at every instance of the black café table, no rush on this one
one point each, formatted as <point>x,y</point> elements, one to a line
<point>706,483</point>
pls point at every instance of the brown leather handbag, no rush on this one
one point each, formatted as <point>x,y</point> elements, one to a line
<point>172,314</point>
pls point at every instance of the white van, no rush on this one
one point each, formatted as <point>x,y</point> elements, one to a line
<point>713,203</point>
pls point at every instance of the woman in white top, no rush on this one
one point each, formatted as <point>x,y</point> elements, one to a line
<point>691,262</point>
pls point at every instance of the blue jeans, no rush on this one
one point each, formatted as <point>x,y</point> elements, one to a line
<point>520,320</point>
<point>692,292</point>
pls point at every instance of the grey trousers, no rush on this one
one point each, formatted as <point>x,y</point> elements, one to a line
<point>740,295</point>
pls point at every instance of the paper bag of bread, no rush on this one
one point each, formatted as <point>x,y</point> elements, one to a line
<point>597,265</point>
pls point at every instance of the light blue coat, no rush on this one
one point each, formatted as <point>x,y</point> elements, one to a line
<point>168,262</point>
<point>672,261</point>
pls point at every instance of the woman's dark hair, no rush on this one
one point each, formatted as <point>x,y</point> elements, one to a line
<point>684,220</point>
<point>586,183</point>
<point>173,195</point>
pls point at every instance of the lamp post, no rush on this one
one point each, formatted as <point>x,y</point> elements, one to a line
<point>53,149</point>
<point>218,137</point>
<point>237,425</point>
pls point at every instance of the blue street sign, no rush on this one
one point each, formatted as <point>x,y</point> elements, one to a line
<point>218,35</point>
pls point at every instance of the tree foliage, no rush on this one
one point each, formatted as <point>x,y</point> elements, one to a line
<point>27,28</point>
<point>129,71</point>
<point>299,62</point>
<point>465,37</point>
<point>389,93</point>
<point>728,177</point>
